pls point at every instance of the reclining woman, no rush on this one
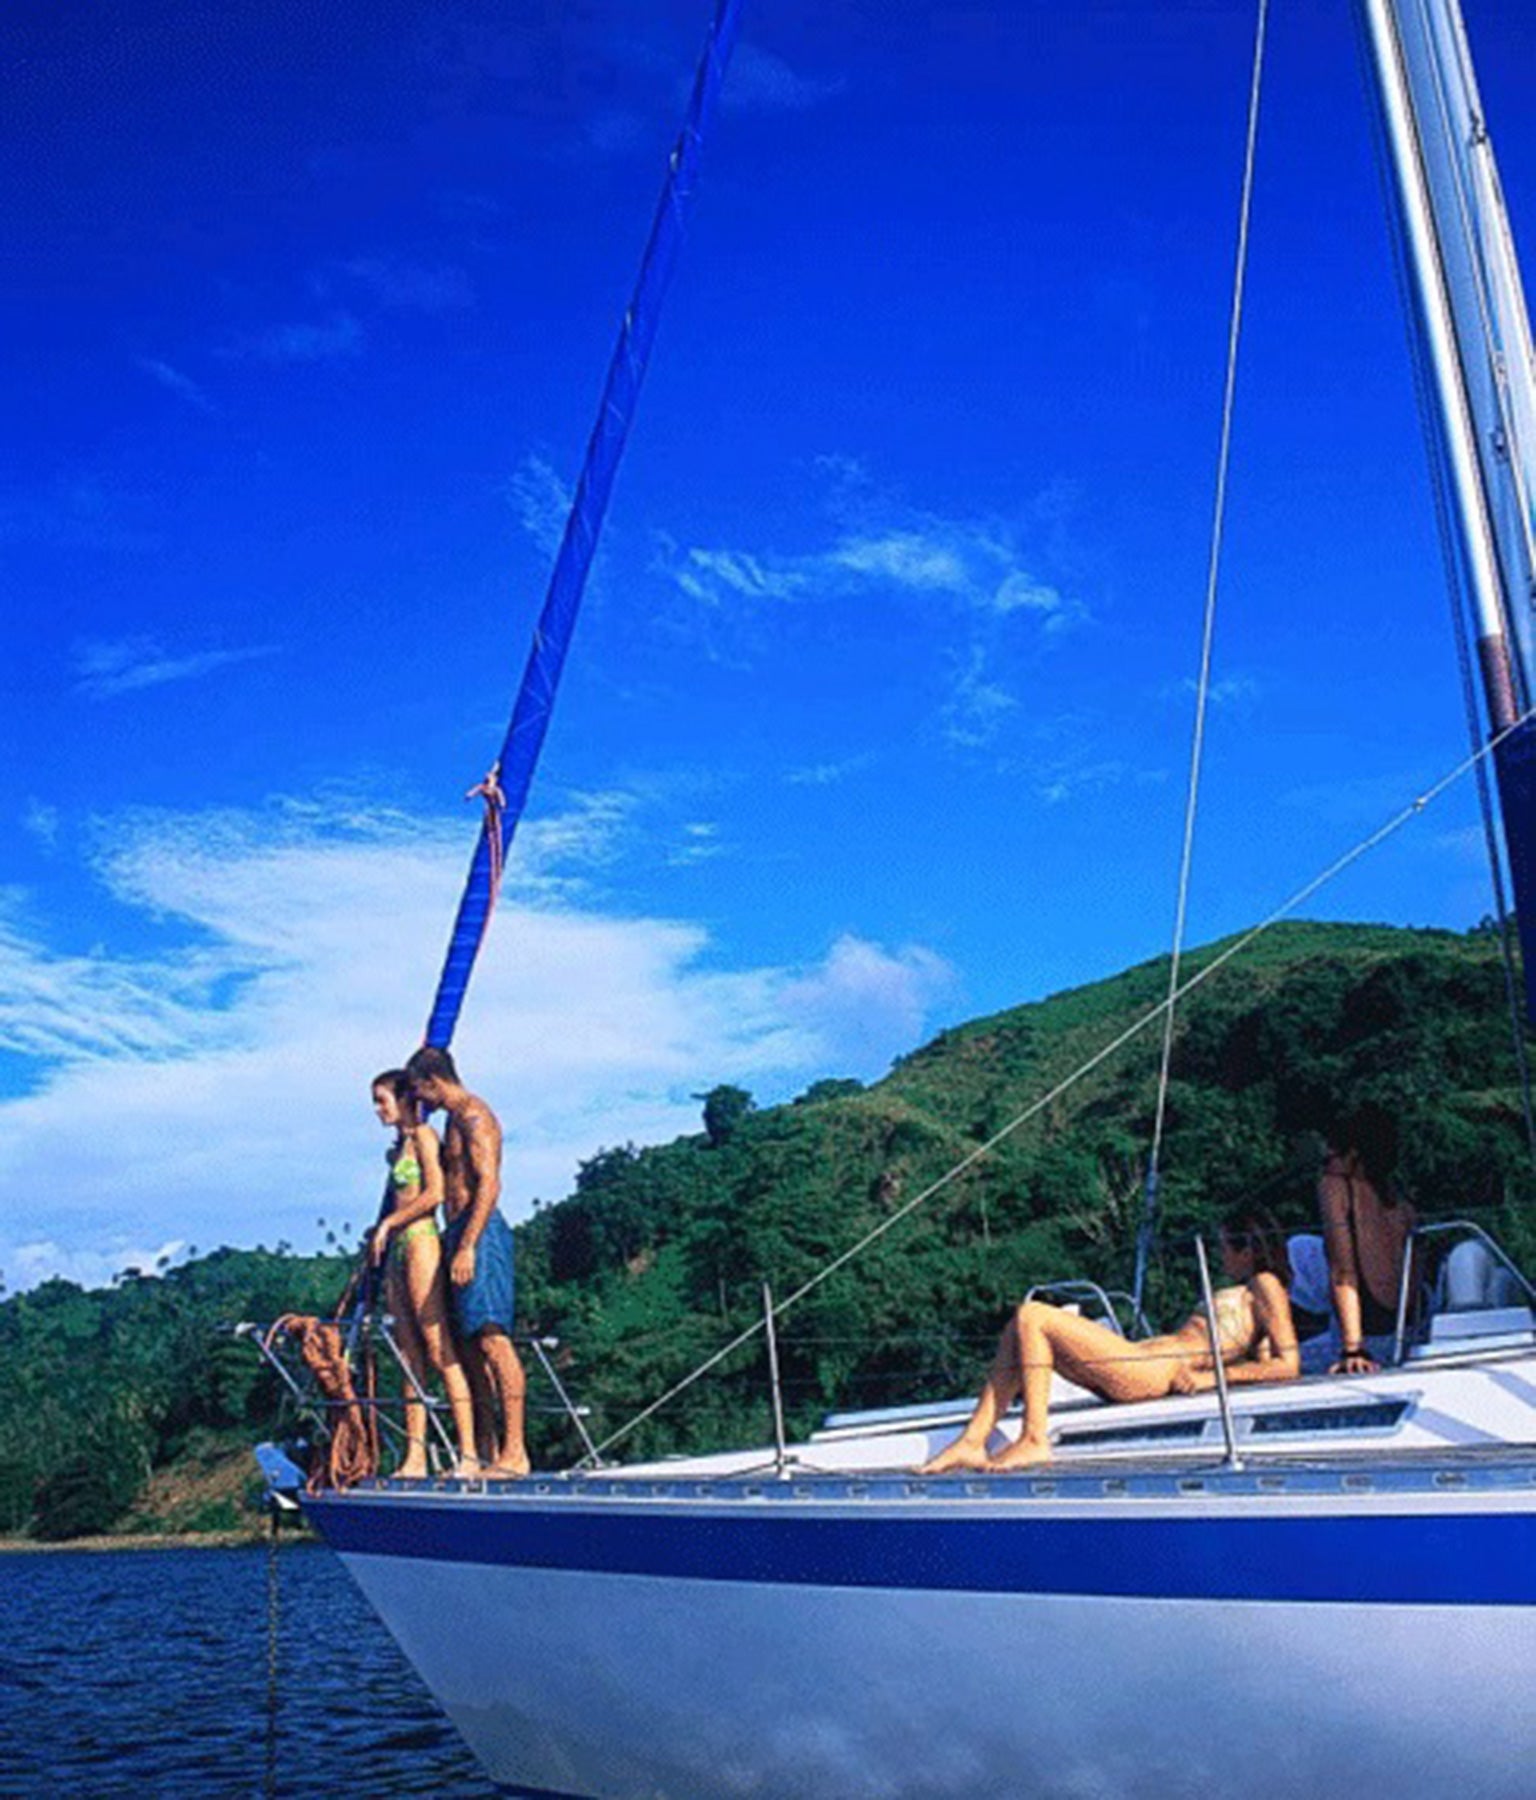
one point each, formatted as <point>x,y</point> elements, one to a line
<point>405,1241</point>
<point>1257,1343</point>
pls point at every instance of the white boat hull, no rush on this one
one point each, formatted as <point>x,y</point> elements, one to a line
<point>1173,1639</point>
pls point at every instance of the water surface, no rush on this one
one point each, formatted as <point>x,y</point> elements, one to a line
<point>146,1672</point>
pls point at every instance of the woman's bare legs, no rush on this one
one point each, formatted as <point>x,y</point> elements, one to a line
<point>998,1392</point>
<point>429,1308</point>
<point>1038,1340</point>
<point>413,1353</point>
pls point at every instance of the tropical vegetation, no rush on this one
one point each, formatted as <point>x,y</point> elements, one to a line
<point>660,1255</point>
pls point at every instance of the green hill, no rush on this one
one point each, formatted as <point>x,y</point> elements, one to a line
<point>658,1257</point>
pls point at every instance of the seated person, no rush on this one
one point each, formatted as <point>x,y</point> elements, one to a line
<point>1311,1296</point>
<point>1257,1343</point>
<point>1472,1279</point>
<point>1367,1227</point>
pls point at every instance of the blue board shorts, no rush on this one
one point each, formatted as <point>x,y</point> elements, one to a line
<point>487,1299</point>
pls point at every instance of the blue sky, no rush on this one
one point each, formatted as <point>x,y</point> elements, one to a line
<point>878,715</point>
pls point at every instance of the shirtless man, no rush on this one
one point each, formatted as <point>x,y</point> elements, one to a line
<point>477,1244</point>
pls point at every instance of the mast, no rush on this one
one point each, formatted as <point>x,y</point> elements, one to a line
<point>1473,337</point>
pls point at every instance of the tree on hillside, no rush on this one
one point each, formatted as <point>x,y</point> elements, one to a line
<point>725,1107</point>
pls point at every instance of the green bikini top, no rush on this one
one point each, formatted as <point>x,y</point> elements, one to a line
<point>405,1171</point>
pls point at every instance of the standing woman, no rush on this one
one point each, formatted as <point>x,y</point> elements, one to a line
<point>1366,1227</point>
<point>405,1242</point>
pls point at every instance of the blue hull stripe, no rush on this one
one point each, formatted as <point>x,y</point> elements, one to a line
<point>1482,1559</point>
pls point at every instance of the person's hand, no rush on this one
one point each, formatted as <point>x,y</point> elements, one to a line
<point>1355,1362</point>
<point>461,1271</point>
<point>1188,1380</point>
<point>378,1243</point>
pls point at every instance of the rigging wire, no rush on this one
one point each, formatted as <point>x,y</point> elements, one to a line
<point>1203,974</point>
<point>1147,1232</point>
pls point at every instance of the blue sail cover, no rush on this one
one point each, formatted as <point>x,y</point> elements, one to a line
<point>1516,760</point>
<point>552,635</point>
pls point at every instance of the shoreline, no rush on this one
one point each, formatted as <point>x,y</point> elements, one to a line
<point>243,1538</point>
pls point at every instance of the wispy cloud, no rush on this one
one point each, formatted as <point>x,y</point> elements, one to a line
<point>41,821</point>
<point>708,574</point>
<point>700,843</point>
<point>411,287</point>
<point>106,668</point>
<point>543,502</point>
<point>182,386</point>
<point>908,559</point>
<point>977,705</point>
<point>322,340</point>
<point>1227,691</point>
<point>977,565</point>
<point>828,774</point>
<point>762,82</point>
<point>316,933</point>
<point>1067,779</point>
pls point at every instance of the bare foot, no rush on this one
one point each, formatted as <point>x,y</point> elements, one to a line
<point>1022,1454</point>
<point>510,1471</point>
<point>962,1454</point>
<point>414,1468</point>
<point>468,1468</point>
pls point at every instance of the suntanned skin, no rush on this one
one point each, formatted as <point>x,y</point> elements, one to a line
<point>1040,1338</point>
<point>471,1164</point>
<point>415,1293</point>
<point>1383,1232</point>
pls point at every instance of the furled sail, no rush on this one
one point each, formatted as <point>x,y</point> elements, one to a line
<point>505,790</point>
<point>1474,343</point>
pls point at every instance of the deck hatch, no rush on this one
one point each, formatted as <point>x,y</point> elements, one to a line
<point>1369,1415</point>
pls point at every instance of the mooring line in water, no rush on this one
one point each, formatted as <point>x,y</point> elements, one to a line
<point>274,1620</point>
<point>1102,1055</point>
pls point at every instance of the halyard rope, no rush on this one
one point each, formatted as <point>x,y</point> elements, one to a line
<point>1207,639</point>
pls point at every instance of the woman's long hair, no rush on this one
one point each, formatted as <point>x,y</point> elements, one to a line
<point>1370,1131</point>
<point>1255,1228</point>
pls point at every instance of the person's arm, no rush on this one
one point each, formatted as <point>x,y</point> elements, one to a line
<point>1343,1273</point>
<point>1277,1357</point>
<point>426,1199</point>
<point>482,1142</point>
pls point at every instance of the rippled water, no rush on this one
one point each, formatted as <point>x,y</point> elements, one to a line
<point>146,1673</point>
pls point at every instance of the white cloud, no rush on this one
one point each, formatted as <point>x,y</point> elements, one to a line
<point>543,502</point>
<point>905,558</point>
<point>976,707</point>
<point>762,82</point>
<point>316,341</point>
<point>215,1090</point>
<point>411,287</point>
<point>106,668</point>
<point>41,821</point>
<point>976,565</point>
<point>828,774</point>
<point>704,573</point>
<point>183,386</point>
<point>41,1259</point>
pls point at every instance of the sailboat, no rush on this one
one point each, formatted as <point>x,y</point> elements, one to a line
<point>1322,1586</point>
